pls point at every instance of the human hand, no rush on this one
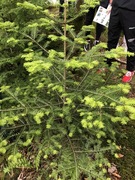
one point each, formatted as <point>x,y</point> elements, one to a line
<point>110,1</point>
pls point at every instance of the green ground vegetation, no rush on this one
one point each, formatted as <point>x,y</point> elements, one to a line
<point>59,117</point>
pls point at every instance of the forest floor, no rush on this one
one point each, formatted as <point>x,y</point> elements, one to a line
<point>126,140</point>
<point>126,163</point>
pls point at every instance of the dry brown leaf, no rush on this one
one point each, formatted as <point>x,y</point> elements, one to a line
<point>120,155</point>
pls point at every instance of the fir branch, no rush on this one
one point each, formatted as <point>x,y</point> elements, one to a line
<point>33,40</point>
<point>75,159</point>
<point>14,97</point>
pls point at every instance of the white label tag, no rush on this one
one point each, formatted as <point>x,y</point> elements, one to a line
<point>103,15</point>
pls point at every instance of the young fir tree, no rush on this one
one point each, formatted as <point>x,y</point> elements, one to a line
<point>58,113</point>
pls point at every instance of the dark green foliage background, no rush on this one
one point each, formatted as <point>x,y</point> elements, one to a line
<point>58,114</point>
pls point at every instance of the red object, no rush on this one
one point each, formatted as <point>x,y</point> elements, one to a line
<point>128,76</point>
